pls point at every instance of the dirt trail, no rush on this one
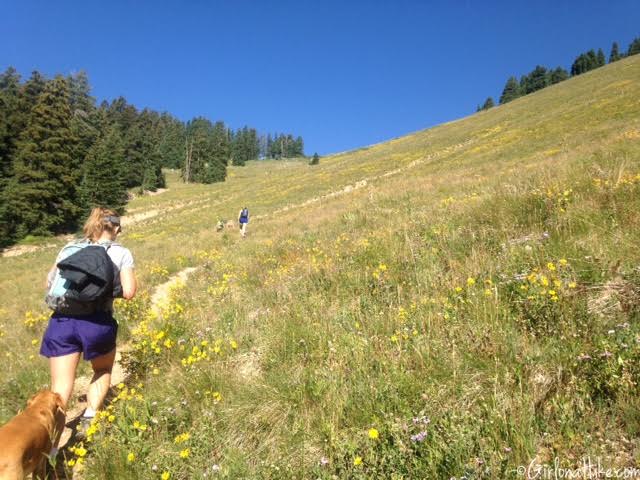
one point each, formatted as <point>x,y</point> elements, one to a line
<point>118,375</point>
<point>365,181</point>
<point>133,218</point>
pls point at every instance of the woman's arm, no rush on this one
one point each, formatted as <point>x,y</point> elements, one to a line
<point>129,283</point>
<point>51,275</point>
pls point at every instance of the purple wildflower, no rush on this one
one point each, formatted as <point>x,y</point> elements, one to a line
<point>419,437</point>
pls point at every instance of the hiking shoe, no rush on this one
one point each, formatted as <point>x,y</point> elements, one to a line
<point>82,427</point>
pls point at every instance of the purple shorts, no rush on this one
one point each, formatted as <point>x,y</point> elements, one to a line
<point>94,335</point>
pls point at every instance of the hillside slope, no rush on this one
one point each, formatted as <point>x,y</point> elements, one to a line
<point>459,301</point>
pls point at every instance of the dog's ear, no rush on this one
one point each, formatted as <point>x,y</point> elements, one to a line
<point>59,402</point>
<point>33,398</point>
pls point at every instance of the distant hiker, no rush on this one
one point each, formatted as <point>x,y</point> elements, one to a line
<point>243,219</point>
<point>219,225</point>
<point>83,282</point>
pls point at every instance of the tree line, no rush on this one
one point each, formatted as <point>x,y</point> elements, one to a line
<point>541,77</point>
<point>61,153</point>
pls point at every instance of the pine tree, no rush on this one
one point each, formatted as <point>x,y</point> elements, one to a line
<point>558,75</point>
<point>511,91</point>
<point>315,160</point>
<point>216,165</point>
<point>171,137</point>
<point>579,65</point>
<point>85,116</point>
<point>299,147</point>
<point>9,121</point>
<point>42,194</point>
<point>207,151</point>
<point>31,91</point>
<point>614,56</point>
<point>488,103</point>
<point>148,151</point>
<point>537,79</point>
<point>601,60</point>
<point>634,47</point>
<point>103,180</point>
<point>12,119</point>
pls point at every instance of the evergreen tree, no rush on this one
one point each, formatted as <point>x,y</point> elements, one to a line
<point>583,63</point>
<point>298,147</point>
<point>315,160</point>
<point>558,75</point>
<point>207,151</point>
<point>148,150</point>
<point>42,194</point>
<point>171,137</point>
<point>634,47</point>
<point>103,180</point>
<point>31,91</point>
<point>536,80</point>
<point>488,103</point>
<point>614,56</point>
<point>85,116</point>
<point>80,93</point>
<point>592,59</point>
<point>511,91</point>
<point>216,165</point>
<point>9,121</point>
<point>601,61</point>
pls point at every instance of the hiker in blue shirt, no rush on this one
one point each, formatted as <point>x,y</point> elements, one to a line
<point>243,219</point>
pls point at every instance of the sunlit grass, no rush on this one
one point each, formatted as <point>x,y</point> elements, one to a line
<point>473,305</point>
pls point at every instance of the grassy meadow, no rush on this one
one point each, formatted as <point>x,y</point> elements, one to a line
<point>458,302</point>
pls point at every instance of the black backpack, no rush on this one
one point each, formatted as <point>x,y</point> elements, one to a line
<point>84,282</point>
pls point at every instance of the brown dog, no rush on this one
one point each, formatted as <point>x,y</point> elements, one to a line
<point>27,439</point>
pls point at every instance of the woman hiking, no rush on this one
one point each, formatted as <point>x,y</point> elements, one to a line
<point>243,219</point>
<point>93,334</point>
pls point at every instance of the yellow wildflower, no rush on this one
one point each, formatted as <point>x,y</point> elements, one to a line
<point>131,457</point>
<point>165,476</point>
<point>357,461</point>
<point>373,434</point>
<point>185,453</point>
<point>471,281</point>
<point>183,437</point>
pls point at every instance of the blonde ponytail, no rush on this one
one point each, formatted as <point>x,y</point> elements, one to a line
<point>99,222</point>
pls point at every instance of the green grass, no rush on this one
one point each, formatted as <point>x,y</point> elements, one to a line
<point>418,302</point>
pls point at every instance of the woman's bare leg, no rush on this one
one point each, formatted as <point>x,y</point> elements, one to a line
<point>63,374</point>
<point>101,380</point>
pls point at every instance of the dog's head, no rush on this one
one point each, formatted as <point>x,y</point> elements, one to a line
<point>47,400</point>
<point>50,408</point>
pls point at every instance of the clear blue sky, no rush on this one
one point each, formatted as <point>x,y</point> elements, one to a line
<point>342,74</point>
